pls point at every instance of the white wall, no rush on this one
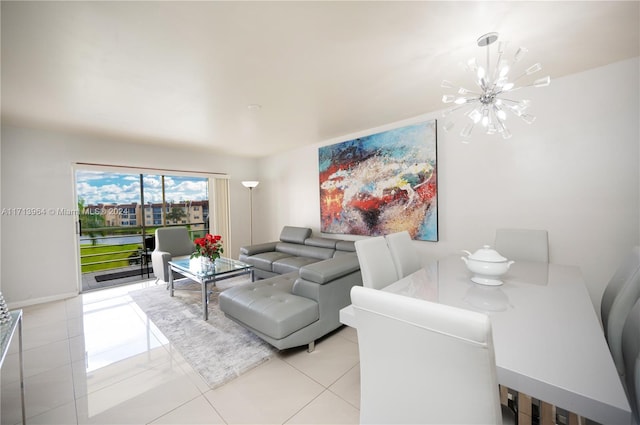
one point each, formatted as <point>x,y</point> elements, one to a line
<point>0,216</point>
<point>39,252</point>
<point>575,172</point>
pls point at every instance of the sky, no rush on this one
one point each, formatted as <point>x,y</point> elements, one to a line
<point>96,187</point>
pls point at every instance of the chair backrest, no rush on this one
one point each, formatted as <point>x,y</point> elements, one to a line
<point>376,265</point>
<point>631,356</point>
<point>403,253</point>
<point>523,244</point>
<point>174,240</point>
<point>423,362</point>
<point>621,293</point>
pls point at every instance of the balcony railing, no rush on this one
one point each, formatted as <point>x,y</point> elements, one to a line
<point>111,253</point>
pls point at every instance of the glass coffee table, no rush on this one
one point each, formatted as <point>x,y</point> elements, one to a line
<point>224,269</point>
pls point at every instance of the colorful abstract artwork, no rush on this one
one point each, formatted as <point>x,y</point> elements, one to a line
<point>382,183</point>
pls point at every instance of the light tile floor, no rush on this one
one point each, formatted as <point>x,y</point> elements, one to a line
<point>97,359</point>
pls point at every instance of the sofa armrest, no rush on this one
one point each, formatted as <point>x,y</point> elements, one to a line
<point>258,248</point>
<point>160,263</point>
<point>331,296</point>
<point>332,269</point>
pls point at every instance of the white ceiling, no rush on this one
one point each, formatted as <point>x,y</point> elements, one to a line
<point>183,73</point>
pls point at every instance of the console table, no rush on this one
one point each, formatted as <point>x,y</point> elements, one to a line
<point>547,337</point>
<point>7,331</point>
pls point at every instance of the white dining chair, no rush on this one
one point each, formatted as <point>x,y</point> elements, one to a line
<point>403,253</point>
<point>376,265</point>
<point>523,244</point>
<point>631,358</point>
<point>423,362</point>
<point>621,293</point>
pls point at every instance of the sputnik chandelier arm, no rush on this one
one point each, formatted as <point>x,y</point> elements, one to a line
<point>487,107</point>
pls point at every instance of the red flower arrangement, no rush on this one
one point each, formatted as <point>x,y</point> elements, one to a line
<point>209,246</point>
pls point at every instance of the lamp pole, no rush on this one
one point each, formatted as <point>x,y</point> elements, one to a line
<point>250,184</point>
<point>251,215</point>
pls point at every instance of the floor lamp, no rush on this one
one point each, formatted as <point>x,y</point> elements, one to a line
<point>251,184</point>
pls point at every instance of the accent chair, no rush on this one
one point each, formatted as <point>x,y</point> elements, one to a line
<point>171,243</point>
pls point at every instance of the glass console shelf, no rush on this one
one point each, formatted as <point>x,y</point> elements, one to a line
<point>7,331</point>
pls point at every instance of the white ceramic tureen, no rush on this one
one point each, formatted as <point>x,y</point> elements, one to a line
<point>487,265</point>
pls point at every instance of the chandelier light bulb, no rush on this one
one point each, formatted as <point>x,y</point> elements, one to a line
<point>488,105</point>
<point>520,54</point>
<point>533,69</point>
<point>447,84</point>
<point>504,71</point>
<point>473,65</point>
<point>448,98</point>
<point>542,82</point>
<point>475,116</point>
<point>466,132</point>
<point>448,126</point>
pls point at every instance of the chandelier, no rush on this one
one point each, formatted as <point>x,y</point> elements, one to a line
<point>488,107</point>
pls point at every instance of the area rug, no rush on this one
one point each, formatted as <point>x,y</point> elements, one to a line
<point>219,349</point>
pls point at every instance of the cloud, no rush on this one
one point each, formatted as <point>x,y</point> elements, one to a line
<point>96,187</point>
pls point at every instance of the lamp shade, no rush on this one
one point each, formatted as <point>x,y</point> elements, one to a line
<point>250,183</point>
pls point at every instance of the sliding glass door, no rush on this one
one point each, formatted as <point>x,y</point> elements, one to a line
<point>118,213</point>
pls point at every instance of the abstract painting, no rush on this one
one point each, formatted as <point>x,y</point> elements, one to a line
<point>382,183</point>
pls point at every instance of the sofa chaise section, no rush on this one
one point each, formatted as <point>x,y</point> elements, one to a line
<point>298,307</point>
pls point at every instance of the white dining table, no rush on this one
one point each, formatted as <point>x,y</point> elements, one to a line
<point>547,337</point>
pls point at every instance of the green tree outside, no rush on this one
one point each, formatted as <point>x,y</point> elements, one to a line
<point>176,214</point>
<point>91,223</point>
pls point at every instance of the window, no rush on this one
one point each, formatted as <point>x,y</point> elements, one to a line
<point>129,207</point>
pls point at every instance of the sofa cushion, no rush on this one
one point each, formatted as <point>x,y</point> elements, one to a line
<point>264,261</point>
<point>268,306</point>
<point>294,234</point>
<point>305,251</point>
<point>291,264</point>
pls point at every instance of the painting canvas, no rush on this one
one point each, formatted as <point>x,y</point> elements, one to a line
<point>382,183</point>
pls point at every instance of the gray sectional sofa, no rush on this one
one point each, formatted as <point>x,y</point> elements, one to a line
<point>305,282</point>
<point>295,249</point>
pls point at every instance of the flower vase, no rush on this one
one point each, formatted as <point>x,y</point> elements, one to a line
<point>206,264</point>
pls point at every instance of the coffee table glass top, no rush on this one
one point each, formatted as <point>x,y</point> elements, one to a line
<point>222,266</point>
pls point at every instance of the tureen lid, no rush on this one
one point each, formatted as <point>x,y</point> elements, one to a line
<point>487,254</point>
